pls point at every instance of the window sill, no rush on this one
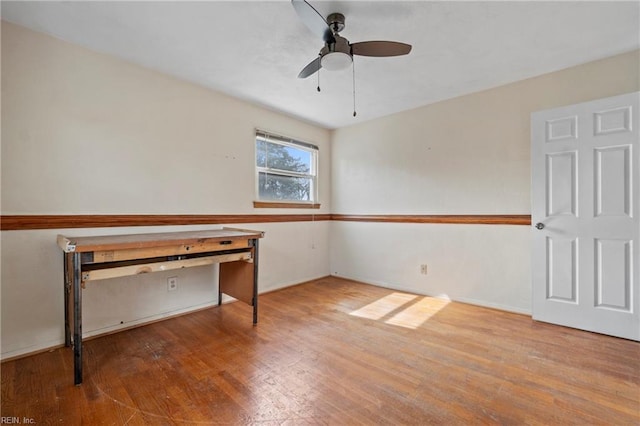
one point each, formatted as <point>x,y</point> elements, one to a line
<point>284,205</point>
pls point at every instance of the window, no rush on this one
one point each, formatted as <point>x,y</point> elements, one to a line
<point>286,170</point>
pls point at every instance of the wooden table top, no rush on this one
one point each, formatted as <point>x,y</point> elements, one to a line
<point>133,241</point>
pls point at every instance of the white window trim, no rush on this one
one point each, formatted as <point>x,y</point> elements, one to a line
<point>275,138</point>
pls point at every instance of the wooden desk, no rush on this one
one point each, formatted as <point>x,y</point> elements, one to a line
<point>96,258</point>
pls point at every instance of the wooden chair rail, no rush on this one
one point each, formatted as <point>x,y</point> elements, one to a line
<point>31,222</point>
<point>442,219</point>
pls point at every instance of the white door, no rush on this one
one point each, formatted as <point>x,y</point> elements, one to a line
<point>585,216</point>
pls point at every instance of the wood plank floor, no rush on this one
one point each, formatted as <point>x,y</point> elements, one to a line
<point>338,352</point>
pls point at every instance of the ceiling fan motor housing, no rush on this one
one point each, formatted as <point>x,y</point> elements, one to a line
<point>336,22</point>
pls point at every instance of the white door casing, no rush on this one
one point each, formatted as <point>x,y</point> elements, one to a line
<point>585,198</point>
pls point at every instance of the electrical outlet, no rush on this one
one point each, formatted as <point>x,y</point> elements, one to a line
<point>172,283</point>
<point>423,269</point>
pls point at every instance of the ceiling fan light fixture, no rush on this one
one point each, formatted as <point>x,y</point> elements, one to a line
<point>335,61</point>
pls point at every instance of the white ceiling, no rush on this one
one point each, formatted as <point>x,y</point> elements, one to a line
<point>254,50</point>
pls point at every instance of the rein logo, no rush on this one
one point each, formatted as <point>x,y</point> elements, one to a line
<point>6,420</point>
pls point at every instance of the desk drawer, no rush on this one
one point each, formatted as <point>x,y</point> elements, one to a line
<point>149,252</point>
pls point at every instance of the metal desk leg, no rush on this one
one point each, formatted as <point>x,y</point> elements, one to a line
<point>219,290</point>
<point>67,288</point>
<point>255,280</point>
<point>77,319</point>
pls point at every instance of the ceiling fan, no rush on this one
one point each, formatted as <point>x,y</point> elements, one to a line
<point>338,52</point>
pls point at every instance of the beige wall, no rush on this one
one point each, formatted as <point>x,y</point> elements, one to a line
<point>468,155</point>
<point>85,133</point>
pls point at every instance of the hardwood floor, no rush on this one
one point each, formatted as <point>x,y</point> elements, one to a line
<point>334,351</point>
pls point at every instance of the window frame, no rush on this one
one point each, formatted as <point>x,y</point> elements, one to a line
<point>314,152</point>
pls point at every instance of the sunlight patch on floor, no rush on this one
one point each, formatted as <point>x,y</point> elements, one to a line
<point>414,315</point>
<point>383,306</point>
<point>401,309</point>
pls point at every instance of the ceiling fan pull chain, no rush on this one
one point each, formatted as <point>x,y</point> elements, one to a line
<point>353,68</point>
<point>319,75</point>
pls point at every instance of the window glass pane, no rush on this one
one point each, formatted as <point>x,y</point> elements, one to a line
<point>285,169</point>
<point>275,187</point>
<point>261,153</point>
<point>301,159</point>
<point>282,157</point>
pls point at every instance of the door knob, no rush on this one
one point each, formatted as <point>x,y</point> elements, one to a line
<point>540,225</point>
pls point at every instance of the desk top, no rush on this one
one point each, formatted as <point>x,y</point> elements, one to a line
<point>137,241</point>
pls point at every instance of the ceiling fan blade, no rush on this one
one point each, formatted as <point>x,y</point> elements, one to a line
<point>310,69</point>
<point>380,48</point>
<point>313,20</point>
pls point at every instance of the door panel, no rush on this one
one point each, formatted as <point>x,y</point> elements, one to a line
<point>585,160</point>
<point>562,272</point>
<point>562,129</point>
<point>562,191</point>
<point>613,181</point>
<point>617,120</point>
<point>613,274</point>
